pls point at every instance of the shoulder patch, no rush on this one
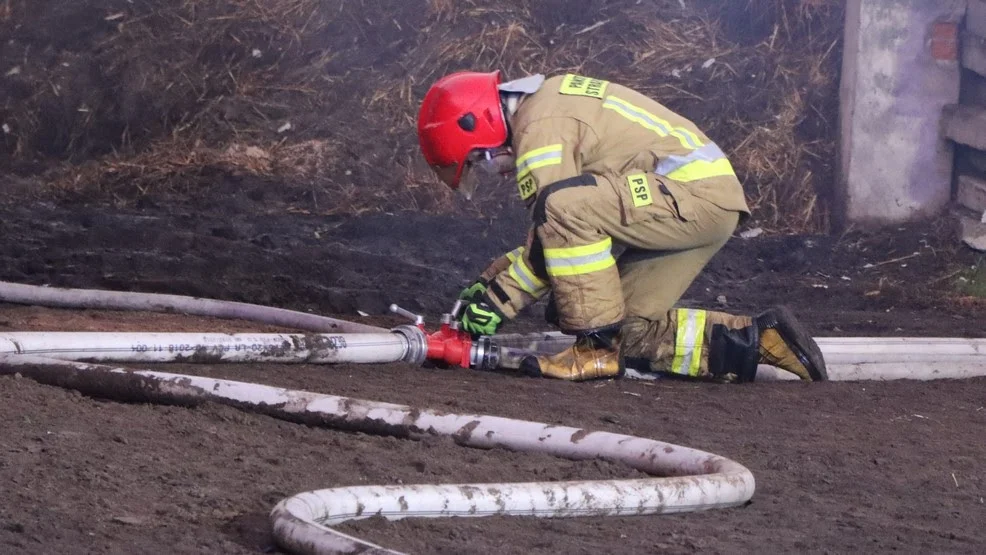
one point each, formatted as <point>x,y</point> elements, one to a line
<point>577,85</point>
<point>527,186</point>
<point>640,190</point>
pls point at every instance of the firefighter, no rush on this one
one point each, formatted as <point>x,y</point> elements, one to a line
<point>629,201</point>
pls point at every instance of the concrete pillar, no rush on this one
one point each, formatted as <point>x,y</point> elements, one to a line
<point>900,69</point>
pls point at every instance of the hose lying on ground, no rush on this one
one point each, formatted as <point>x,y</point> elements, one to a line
<point>155,302</point>
<point>687,479</point>
<point>861,358</point>
<point>403,344</point>
<point>847,358</point>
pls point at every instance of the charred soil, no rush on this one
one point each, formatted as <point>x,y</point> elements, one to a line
<point>118,98</point>
<point>145,147</point>
<point>840,466</point>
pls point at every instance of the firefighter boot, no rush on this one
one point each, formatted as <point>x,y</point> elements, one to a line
<point>785,343</point>
<point>594,355</point>
<point>775,337</point>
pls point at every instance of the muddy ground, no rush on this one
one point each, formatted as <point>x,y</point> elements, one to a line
<point>841,467</point>
<point>145,148</point>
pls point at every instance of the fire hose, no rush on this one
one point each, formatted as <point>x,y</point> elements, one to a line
<point>38,295</point>
<point>685,479</point>
<point>848,359</point>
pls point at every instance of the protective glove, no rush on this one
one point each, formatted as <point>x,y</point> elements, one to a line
<point>480,319</point>
<point>474,293</point>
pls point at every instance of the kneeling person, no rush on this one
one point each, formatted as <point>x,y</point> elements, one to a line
<point>629,202</point>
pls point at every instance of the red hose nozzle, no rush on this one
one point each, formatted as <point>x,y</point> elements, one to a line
<point>450,346</point>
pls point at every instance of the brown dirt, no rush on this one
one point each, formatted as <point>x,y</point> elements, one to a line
<point>158,130</point>
<point>840,467</point>
<point>118,98</point>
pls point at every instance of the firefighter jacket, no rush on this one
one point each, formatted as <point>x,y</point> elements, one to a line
<point>593,155</point>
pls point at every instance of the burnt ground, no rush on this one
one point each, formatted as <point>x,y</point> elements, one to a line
<point>113,99</point>
<point>840,466</point>
<point>145,148</point>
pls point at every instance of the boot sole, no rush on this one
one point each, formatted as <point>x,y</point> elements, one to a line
<point>800,341</point>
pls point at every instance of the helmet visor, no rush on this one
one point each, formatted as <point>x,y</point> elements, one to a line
<point>464,183</point>
<point>448,175</point>
<point>480,165</point>
<point>469,181</point>
<point>485,165</point>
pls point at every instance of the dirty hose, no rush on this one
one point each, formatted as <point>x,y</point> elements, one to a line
<point>154,302</point>
<point>685,479</point>
<point>847,358</point>
<point>404,344</point>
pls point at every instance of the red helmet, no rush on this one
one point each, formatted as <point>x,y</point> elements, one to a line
<point>460,113</point>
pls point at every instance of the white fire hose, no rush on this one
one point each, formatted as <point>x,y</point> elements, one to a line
<point>685,479</point>
<point>19,293</point>
<point>403,344</point>
<point>847,358</point>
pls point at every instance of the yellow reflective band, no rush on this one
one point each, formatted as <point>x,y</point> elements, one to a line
<point>605,245</point>
<point>576,261</point>
<point>526,279</point>
<point>702,169</point>
<point>513,255</point>
<point>543,164</point>
<point>557,148</point>
<point>581,269</point>
<point>538,158</point>
<point>649,121</point>
<point>688,342</point>
<point>578,85</point>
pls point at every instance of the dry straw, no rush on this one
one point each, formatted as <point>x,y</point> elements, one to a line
<point>322,95</point>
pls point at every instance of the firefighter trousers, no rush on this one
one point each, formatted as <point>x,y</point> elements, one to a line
<point>612,260</point>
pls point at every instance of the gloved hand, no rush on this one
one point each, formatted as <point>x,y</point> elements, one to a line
<point>474,293</point>
<point>480,319</point>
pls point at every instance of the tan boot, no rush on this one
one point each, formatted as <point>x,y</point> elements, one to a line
<point>592,357</point>
<point>786,344</point>
<point>774,337</point>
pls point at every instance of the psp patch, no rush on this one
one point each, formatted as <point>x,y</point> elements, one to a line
<point>528,186</point>
<point>640,190</point>
<point>577,85</point>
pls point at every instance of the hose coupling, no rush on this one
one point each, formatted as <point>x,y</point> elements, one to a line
<point>485,354</point>
<point>417,344</point>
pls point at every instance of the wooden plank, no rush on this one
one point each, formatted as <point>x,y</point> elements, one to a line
<point>972,193</point>
<point>965,125</point>
<point>974,53</point>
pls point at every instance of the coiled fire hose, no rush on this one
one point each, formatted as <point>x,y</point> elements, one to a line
<point>685,479</point>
